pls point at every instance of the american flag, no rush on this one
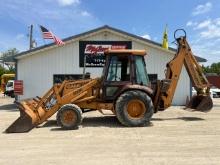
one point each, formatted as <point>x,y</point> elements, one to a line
<point>49,35</point>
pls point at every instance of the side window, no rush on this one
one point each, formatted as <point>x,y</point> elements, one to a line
<point>119,69</point>
<point>10,84</point>
<point>141,72</point>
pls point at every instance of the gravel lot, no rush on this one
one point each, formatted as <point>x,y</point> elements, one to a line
<point>174,137</point>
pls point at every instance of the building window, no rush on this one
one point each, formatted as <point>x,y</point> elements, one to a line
<point>59,78</point>
<point>152,78</point>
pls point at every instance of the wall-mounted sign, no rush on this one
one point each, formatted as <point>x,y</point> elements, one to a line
<point>18,87</point>
<point>94,51</point>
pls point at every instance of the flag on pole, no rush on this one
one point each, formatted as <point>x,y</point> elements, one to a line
<point>165,39</point>
<point>49,35</point>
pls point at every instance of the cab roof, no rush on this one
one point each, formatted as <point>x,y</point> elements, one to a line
<point>126,51</point>
<point>8,75</point>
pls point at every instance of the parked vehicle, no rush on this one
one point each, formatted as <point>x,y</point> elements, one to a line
<point>124,89</point>
<point>216,92</point>
<point>9,89</point>
<point>4,79</point>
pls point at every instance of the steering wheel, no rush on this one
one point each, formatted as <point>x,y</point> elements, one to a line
<point>117,78</point>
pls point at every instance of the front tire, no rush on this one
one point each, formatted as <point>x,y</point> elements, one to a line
<point>134,108</point>
<point>69,117</point>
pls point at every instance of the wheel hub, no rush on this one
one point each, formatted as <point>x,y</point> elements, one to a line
<point>69,117</point>
<point>136,109</point>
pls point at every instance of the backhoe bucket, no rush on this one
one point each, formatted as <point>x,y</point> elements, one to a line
<point>200,103</point>
<point>26,121</point>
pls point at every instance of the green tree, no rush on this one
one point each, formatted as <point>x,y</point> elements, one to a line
<point>7,59</point>
<point>213,68</point>
<point>2,70</point>
<point>10,52</point>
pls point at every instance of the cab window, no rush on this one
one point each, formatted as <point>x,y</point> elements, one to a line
<point>141,72</point>
<point>119,68</point>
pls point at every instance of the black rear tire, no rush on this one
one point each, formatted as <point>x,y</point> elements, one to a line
<point>69,117</point>
<point>134,108</point>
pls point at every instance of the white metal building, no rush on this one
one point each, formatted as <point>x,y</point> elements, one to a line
<point>39,67</point>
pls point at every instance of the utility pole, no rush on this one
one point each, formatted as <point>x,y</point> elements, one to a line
<point>31,37</point>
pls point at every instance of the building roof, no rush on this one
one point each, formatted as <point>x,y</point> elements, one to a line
<point>96,30</point>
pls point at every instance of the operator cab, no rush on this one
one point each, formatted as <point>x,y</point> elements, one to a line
<point>123,68</point>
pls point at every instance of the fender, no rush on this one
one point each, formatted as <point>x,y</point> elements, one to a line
<point>145,89</point>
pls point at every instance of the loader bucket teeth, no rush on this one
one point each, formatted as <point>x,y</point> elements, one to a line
<point>22,124</point>
<point>200,103</point>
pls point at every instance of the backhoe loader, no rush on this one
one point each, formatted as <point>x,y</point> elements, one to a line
<point>123,88</point>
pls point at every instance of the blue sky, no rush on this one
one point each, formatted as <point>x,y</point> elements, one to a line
<point>200,18</point>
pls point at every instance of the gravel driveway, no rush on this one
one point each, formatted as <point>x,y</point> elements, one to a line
<point>174,137</point>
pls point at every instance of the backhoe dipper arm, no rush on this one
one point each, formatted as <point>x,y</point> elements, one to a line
<point>167,87</point>
<point>195,72</point>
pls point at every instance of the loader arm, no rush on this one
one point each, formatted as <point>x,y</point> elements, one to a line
<point>167,87</point>
<point>35,111</point>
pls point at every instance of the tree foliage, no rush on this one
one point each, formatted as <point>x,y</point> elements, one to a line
<point>213,68</point>
<point>2,70</point>
<point>5,57</point>
<point>9,52</point>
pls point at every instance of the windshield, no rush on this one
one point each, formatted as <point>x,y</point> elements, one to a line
<point>119,69</point>
<point>141,72</point>
<point>10,84</point>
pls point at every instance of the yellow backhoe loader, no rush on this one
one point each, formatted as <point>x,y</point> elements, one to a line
<point>4,79</point>
<point>124,89</point>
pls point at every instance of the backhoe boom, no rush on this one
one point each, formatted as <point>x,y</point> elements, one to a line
<point>184,56</point>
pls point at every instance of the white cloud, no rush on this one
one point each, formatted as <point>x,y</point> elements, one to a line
<point>62,21</point>
<point>205,39</point>
<point>201,9</point>
<point>204,24</point>
<point>68,2</point>
<point>211,32</point>
<point>85,13</point>
<point>147,36</point>
<point>217,21</point>
<point>19,41</point>
<point>191,23</point>
<point>208,50</point>
<point>210,28</point>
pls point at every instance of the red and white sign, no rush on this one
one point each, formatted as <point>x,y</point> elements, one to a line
<point>18,87</point>
<point>99,49</point>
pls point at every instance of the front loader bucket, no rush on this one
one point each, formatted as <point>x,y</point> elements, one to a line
<point>200,103</point>
<point>22,124</point>
<point>25,122</point>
